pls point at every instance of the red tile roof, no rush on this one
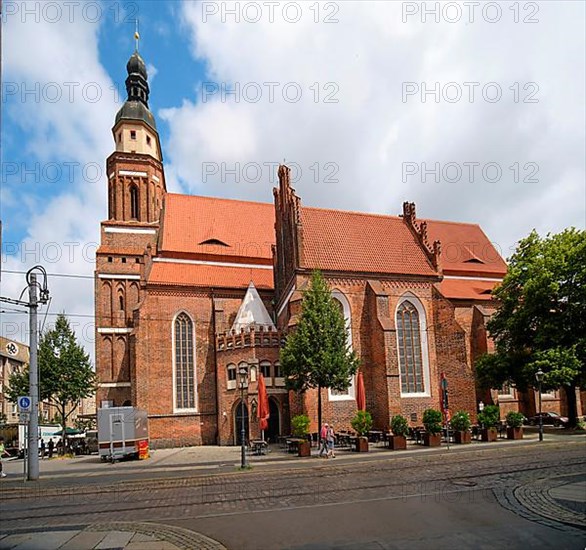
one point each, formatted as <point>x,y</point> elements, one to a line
<point>466,289</point>
<point>352,241</point>
<point>183,274</point>
<point>217,226</point>
<point>465,249</point>
<point>333,239</point>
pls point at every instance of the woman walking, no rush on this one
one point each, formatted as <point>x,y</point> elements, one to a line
<point>330,438</point>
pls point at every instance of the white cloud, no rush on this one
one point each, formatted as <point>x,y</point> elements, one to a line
<point>370,132</point>
<point>74,129</point>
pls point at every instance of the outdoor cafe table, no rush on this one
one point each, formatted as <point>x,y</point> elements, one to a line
<point>293,444</point>
<point>375,436</point>
<point>259,447</point>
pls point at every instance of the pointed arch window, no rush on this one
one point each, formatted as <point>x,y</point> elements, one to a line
<point>344,305</point>
<point>184,363</point>
<point>134,202</point>
<point>412,347</point>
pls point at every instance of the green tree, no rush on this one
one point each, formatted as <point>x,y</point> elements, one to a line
<point>65,372</point>
<point>541,318</point>
<point>317,354</point>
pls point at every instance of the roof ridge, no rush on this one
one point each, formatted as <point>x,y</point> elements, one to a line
<point>369,214</point>
<point>223,199</point>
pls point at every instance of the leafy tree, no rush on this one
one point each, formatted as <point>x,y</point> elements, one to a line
<point>317,354</point>
<point>65,372</point>
<point>541,318</point>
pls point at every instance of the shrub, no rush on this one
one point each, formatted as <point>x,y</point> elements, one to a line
<point>515,419</point>
<point>362,422</point>
<point>461,421</point>
<point>432,420</point>
<point>399,425</point>
<point>489,417</point>
<point>300,425</point>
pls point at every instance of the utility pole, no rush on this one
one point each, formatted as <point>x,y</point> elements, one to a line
<point>33,383</point>
<point>32,459</point>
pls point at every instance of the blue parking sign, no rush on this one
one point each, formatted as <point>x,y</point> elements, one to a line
<point>24,403</point>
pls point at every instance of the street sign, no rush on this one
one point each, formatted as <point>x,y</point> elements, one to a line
<point>24,417</point>
<point>24,404</point>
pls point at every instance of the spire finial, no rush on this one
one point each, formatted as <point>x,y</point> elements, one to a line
<point>136,35</point>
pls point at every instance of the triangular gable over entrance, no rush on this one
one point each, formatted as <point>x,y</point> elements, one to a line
<point>252,312</point>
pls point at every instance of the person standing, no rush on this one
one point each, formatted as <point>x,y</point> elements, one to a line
<point>330,437</point>
<point>42,448</point>
<point>323,434</point>
<point>51,447</point>
<point>3,451</point>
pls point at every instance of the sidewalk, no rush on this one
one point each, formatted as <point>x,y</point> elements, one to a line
<point>213,459</point>
<point>561,499</point>
<point>117,536</point>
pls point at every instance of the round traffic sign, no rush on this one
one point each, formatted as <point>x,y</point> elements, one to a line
<point>24,403</point>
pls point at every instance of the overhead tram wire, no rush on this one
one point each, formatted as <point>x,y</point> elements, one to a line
<point>64,275</point>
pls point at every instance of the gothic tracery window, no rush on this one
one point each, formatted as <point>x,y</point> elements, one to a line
<point>409,345</point>
<point>184,363</point>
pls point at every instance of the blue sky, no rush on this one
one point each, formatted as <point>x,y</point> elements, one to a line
<point>361,132</point>
<point>164,45</point>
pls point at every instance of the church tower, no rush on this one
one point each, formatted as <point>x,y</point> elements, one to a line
<point>136,182</point>
<point>136,190</point>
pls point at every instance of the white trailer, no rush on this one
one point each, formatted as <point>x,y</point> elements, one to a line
<point>46,432</point>
<point>122,433</point>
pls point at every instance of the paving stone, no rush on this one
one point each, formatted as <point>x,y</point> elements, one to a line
<point>153,545</point>
<point>115,539</point>
<point>84,540</point>
<point>10,541</point>
<point>142,537</point>
<point>46,541</point>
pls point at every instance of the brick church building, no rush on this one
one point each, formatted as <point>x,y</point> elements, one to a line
<point>190,288</point>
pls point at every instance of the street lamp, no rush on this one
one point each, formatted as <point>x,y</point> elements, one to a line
<point>481,406</point>
<point>243,374</point>
<point>539,378</point>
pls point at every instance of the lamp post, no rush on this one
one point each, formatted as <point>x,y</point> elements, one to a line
<point>242,373</point>
<point>481,406</point>
<point>539,378</point>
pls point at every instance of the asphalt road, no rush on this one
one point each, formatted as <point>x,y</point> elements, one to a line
<point>434,500</point>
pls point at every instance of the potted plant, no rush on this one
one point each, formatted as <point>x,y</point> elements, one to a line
<point>432,420</point>
<point>361,424</point>
<point>514,425</point>
<point>489,419</point>
<point>461,425</point>
<point>400,429</point>
<point>300,429</point>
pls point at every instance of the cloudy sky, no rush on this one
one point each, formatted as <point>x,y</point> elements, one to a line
<point>476,113</point>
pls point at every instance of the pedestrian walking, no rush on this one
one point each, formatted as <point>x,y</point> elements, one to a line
<point>323,434</point>
<point>3,452</point>
<point>330,438</point>
<point>51,447</point>
<point>42,448</point>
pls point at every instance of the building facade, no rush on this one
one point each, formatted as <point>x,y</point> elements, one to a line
<point>188,289</point>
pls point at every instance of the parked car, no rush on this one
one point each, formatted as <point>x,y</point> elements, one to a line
<point>549,419</point>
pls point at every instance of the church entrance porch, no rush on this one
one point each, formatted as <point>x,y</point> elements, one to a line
<point>274,429</point>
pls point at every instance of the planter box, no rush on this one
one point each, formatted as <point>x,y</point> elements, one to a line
<point>304,449</point>
<point>462,437</point>
<point>362,444</point>
<point>514,433</point>
<point>432,440</point>
<point>398,442</point>
<point>488,434</point>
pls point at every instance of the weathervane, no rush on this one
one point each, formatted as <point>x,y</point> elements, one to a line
<point>136,35</point>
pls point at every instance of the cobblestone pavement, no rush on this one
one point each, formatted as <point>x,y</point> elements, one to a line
<point>520,476</point>
<point>110,536</point>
